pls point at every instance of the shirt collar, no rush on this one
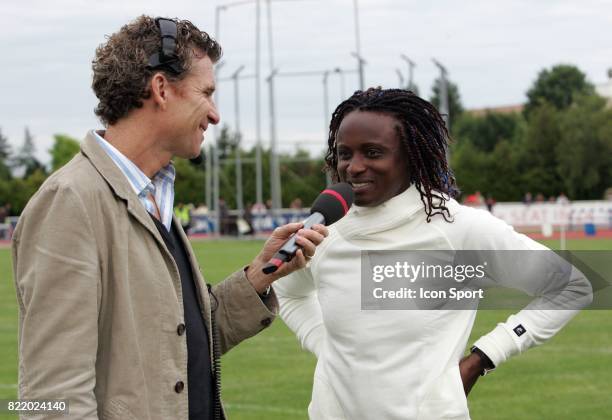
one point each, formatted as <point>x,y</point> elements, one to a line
<point>161,186</point>
<point>139,181</point>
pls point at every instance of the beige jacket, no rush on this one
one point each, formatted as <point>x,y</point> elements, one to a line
<point>100,299</point>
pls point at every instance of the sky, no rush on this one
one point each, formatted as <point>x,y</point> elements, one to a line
<point>492,49</point>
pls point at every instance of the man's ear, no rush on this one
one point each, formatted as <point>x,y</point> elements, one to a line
<point>160,89</point>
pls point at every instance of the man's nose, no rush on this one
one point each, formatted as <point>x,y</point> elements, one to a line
<point>213,114</point>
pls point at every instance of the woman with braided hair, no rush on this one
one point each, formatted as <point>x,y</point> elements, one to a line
<point>390,146</point>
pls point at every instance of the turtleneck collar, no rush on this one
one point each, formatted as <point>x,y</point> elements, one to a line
<point>406,202</point>
<point>401,209</point>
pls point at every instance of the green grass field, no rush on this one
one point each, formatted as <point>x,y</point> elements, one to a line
<point>269,377</point>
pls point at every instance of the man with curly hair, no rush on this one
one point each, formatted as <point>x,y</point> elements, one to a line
<point>114,314</point>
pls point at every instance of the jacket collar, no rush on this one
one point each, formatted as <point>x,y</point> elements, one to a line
<point>118,183</point>
<point>106,167</point>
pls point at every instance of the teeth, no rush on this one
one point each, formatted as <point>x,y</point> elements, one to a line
<point>359,184</point>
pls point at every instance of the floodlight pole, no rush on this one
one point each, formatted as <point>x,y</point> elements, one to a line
<point>340,74</point>
<point>444,106</point>
<point>239,194</point>
<point>215,161</point>
<point>411,65</point>
<point>328,179</point>
<point>400,76</point>
<point>360,60</point>
<point>275,186</point>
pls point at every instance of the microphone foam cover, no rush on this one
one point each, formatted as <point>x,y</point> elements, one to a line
<point>334,202</point>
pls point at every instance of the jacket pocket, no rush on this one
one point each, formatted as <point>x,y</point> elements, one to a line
<point>446,398</point>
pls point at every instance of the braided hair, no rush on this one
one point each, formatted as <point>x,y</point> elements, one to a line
<point>423,138</point>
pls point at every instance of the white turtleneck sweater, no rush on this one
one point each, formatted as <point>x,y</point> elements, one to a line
<point>403,364</point>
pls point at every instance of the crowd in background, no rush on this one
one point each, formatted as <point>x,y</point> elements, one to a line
<point>478,200</point>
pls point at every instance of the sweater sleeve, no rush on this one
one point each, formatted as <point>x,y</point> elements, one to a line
<point>300,309</point>
<point>560,290</point>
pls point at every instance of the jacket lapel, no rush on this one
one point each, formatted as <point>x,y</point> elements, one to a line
<point>120,185</point>
<point>197,275</point>
<point>200,286</point>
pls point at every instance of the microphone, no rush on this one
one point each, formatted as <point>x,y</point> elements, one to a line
<point>329,207</point>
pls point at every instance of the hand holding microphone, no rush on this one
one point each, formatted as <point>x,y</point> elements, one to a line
<point>287,248</point>
<point>330,206</point>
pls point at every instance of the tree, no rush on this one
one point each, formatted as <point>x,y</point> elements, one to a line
<point>25,159</point>
<point>504,175</point>
<point>18,191</point>
<point>486,131</point>
<point>5,153</point>
<point>538,161</point>
<point>5,171</point>
<point>584,152</point>
<point>227,142</point>
<point>190,182</point>
<point>492,173</point>
<point>558,86</point>
<point>455,108</point>
<point>5,147</point>
<point>64,148</point>
<point>302,177</point>
<point>469,164</point>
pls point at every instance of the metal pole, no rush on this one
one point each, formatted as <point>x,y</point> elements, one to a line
<point>328,179</point>
<point>358,45</point>
<point>215,161</point>
<point>218,10</point>
<point>214,155</point>
<point>208,163</point>
<point>239,195</point>
<point>411,66</point>
<point>211,149</point>
<point>444,105</point>
<point>401,78</point>
<point>410,75</point>
<point>325,101</point>
<point>275,179</point>
<point>274,165</point>
<point>258,171</point>
<point>362,62</point>
<point>340,73</point>
<point>270,38</point>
